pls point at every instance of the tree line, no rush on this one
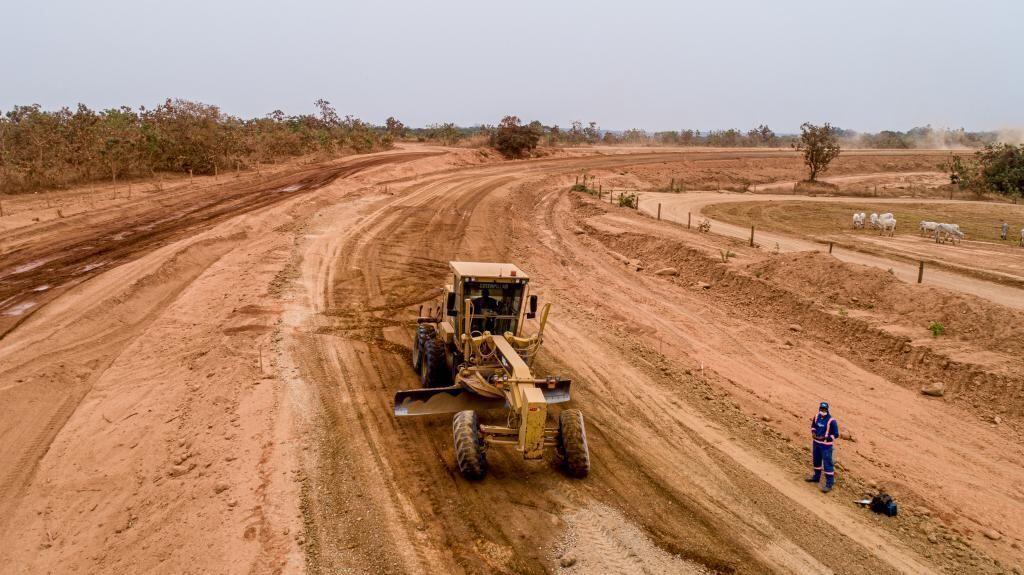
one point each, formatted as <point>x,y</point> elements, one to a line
<point>46,149</point>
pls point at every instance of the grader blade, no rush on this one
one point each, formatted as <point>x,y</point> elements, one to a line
<point>437,400</point>
<point>555,390</point>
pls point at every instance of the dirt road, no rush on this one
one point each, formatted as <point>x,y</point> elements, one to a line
<point>231,407</point>
<point>678,207</point>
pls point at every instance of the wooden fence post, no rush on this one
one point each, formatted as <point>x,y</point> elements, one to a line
<point>659,210</point>
<point>190,175</point>
<point>688,214</point>
<point>830,247</point>
<point>751,236</point>
<point>577,180</point>
<point>920,271</point>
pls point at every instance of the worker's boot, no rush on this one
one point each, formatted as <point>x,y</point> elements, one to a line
<point>830,480</point>
<point>814,477</point>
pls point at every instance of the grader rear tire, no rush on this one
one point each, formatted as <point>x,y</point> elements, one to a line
<point>470,451</point>
<point>572,443</point>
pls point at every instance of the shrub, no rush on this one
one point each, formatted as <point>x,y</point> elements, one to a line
<point>512,139</point>
<point>40,148</point>
<point>937,329</point>
<point>628,200</point>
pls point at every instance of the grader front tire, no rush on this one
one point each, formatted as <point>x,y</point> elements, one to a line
<point>572,443</point>
<point>435,372</point>
<point>424,332</point>
<point>469,446</point>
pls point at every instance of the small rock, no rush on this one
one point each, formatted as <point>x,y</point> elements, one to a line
<point>702,285</point>
<point>993,534</point>
<point>847,436</point>
<point>997,420</point>
<point>1017,570</point>
<point>221,487</point>
<point>179,470</point>
<point>568,561</point>
<point>932,538</point>
<point>937,389</point>
<point>667,272</point>
<point>796,327</point>
<point>766,418</point>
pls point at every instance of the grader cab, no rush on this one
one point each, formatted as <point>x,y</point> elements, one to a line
<point>472,354</point>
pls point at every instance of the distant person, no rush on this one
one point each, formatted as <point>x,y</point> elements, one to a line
<point>824,431</point>
<point>1004,230</point>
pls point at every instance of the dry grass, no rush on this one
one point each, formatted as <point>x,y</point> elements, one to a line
<point>977,220</point>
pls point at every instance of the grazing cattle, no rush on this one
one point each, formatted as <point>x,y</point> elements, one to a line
<point>858,221</point>
<point>887,225</point>
<point>928,228</point>
<point>874,220</point>
<point>948,231</point>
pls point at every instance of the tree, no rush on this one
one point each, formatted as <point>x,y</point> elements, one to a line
<point>395,128</point>
<point>820,147</point>
<point>446,133</point>
<point>762,136</point>
<point>512,139</point>
<point>1002,168</point>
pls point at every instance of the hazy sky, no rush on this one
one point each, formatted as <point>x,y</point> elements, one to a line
<point>865,65</point>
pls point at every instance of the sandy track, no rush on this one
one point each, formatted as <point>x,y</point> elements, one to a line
<point>676,384</point>
<point>731,507</point>
<point>677,207</point>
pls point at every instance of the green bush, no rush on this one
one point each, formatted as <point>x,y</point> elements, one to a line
<point>937,329</point>
<point>512,139</point>
<point>628,200</point>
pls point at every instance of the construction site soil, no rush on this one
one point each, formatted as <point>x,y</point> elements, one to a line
<point>200,379</point>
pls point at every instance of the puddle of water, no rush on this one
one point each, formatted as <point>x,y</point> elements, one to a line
<point>291,188</point>
<point>43,287</point>
<point>19,309</point>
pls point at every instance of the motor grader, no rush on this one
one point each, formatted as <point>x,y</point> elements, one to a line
<point>472,354</point>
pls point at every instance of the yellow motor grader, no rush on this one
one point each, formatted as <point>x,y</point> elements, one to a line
<point>472,355</point>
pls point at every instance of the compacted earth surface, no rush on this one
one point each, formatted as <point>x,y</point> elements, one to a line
<point>198,378</point>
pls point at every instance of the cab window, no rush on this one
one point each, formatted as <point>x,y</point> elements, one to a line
<point>495,305</point>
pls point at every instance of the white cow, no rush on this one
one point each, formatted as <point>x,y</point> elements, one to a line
<point>928,228</point>
<point>948,231</point>
<point>887,223</point>
<point>858,221</point>
<point>874,220</point>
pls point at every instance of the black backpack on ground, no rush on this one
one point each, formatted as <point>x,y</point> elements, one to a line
<point>883,503</point>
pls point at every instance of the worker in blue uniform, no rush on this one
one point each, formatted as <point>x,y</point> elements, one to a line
<point>824,431</point>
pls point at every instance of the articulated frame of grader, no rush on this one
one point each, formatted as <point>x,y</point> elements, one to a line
<point>472,355</point>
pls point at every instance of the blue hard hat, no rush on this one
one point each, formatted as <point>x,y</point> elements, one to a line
<point>823,405</point>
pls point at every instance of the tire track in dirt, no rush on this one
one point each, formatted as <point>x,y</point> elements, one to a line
<point>62,264</point>
<point>106,322</point>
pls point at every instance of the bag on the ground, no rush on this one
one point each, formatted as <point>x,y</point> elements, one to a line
<point>883,503</point>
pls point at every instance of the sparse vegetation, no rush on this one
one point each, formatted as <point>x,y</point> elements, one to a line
<point>726,254</point>
<point>514,140</point>
<point>820,147</point>
<point>44,149</point>
<point>628,200</point>
<point>936,328</point>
